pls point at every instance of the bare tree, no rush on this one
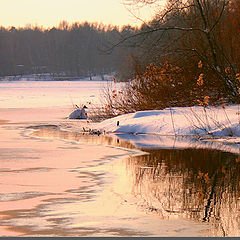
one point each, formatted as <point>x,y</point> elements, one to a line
<point>189,32</point>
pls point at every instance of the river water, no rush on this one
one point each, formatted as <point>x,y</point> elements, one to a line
<point>56,181</point>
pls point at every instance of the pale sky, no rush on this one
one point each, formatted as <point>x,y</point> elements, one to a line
<point>49,13</point>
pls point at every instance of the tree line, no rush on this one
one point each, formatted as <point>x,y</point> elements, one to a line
<point>76,50</point>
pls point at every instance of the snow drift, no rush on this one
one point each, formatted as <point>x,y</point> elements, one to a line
<point>179,121</point>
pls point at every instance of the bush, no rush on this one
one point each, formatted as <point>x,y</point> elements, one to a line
<point>159,87</point>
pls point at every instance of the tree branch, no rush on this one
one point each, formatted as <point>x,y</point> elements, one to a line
<point>152,31</point>
<point>219,17</point>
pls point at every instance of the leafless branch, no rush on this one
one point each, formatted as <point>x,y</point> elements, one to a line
<point>152,31</point>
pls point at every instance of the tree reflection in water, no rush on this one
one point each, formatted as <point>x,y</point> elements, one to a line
<point>197,184</point>
<point>201,185</point>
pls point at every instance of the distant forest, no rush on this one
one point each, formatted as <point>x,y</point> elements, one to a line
<point>77,50</point>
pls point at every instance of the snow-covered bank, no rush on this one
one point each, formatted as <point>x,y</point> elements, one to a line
<point>180,127</point>
<point>150,141</point>
<point>180,121</point>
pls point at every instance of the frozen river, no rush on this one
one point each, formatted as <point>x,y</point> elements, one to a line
<point>33,94</point>
<point>57,182</point>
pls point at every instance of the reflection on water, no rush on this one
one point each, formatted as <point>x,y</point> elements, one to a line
<point>53,132</point>
<point>197,184</point>
<point>73,192</point>
<point>201,185</point>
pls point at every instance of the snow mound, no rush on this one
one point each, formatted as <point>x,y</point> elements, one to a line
<point>78,114</point>
<point>180,121</point>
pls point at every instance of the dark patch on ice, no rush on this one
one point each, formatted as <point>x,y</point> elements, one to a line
<point>20,196</point>
<point>43,126</point>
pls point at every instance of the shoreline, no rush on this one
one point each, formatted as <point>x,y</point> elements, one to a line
<point>159,141</point>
